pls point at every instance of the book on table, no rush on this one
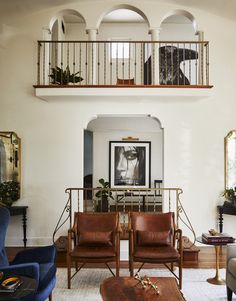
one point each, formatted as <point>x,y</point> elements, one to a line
<point>10,284</point>
<point>219,237</point>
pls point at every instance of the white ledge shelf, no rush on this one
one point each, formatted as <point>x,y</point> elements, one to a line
<point>173,93</point>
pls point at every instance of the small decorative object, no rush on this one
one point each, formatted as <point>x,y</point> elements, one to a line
<point>213,232</point>
<point>10,284</point>
<point>9,193</point>
<point>103,194</point>
<point>64,77</point>
<point>147,283</point>
<point>230,195</point>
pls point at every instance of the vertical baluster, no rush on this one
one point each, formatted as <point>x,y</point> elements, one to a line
<point>207,63</point>
<point>92,67</point>
<point>74,62</point>
<point>153,45</point>
<point>38,63</point>
<point>172,65</point>
<point>169,201</point>
<point>86,62</point>
<point>80,65</point>
<point>196,62</point>
<point>202,64</point>
<point>139,203</point>
<point>105,62</point>
<point>67,59</point>
<point>141,62</point>
<point>184,64</point>
<point>123,61</point>
<point>129,60</point>
<point>44,63</point>
<point>98,55</point>
<point>154,200</point>
<point>110,57</point>
<point>190,63</point>
<point>117,73</point>
<point>135,62</point>
<point>49,61</point>
<point>166,64</point>
<point>61,63</point>
<point>124,227</point>
<point>160,65</point>
<point>94,200</point>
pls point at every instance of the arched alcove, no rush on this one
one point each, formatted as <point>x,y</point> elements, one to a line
<point>105,128</point>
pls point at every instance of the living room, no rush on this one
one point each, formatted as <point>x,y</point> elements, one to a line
<point>186,125</point>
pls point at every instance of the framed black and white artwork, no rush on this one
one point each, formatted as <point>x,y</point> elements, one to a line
<point>129,164</point>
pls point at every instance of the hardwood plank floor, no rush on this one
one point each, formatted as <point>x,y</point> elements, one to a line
<point>206,258</point>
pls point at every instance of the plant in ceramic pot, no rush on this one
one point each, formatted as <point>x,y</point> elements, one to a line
<point>9,193</point>
<point>230,195</point>
<point>103,195</point>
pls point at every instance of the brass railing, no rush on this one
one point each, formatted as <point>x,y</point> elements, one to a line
<point>123,63</point>
<point>123,201</point>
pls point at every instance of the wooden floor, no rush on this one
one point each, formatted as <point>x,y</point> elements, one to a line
<point>206,258</point>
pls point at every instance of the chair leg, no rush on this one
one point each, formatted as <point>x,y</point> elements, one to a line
<point>117,267</point>
<point>50,297</point>
<point>180,275</point>
<point>131,266</point>
<point>68,271</point>
<point>229,294</point>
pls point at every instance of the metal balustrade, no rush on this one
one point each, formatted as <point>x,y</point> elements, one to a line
<point>123,201</point>
<point>123,63</point>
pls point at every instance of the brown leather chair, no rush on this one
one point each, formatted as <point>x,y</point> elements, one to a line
<point>153,240</point>
<point>94,237</point>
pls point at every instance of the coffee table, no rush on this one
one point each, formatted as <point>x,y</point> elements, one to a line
<point>28,286</point>
<point>217,279</point>
<point>129,289</point>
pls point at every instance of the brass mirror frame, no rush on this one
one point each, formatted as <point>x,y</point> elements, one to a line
<point>12,146</point>
<point>230,160</point>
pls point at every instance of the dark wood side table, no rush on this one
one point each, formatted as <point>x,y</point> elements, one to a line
<point>129,289</point>
<point>230,210</point>
<point>20,210</point>
<point>28,286</point>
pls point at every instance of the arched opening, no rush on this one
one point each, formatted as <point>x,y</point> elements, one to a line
<point>108,135</point>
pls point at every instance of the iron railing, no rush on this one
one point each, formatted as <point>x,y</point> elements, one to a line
<point>123,201</point>
<point>123,63</point>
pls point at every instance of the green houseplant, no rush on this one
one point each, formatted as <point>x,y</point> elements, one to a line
<point>64,77</point>
<point>103,195</point>
<point>9,193</point>
<point>230,195</point>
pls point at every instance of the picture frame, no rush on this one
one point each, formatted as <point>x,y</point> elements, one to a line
<point>129,164</point>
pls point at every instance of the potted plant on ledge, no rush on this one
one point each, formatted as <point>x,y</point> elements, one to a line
<point>103,195</point>
<point>230,195</point>
<point>9,193</point>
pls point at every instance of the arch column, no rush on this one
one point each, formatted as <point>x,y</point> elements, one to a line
<point>92,56</point>
<point>201,58</point>
<point>155,37</point>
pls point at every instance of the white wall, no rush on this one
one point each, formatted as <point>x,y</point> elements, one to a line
<point>52,132</point>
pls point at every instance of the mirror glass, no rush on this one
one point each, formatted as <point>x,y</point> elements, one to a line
<point>230,160</point>
<point>9,157</point>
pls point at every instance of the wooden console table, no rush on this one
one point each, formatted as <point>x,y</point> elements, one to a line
<point>20,210</point>
<point>230,210</point>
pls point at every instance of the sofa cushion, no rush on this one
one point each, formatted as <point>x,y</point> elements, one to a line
<point>95,238</point>
<point>46,272</point>
<point>149,238</point>
<point>232,266</point>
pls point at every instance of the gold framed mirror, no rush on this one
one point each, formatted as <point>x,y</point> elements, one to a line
<point>9,157</point>
<point>230,159</point>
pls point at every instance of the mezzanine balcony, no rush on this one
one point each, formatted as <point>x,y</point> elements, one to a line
<point>118,65</point>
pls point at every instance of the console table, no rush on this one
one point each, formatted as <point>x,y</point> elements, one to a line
<point>20,210</point>
<point>230,210</point>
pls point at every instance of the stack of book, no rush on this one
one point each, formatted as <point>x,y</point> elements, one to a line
<point>223,238</point>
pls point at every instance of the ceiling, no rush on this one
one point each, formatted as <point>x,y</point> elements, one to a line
<point>13,8</point>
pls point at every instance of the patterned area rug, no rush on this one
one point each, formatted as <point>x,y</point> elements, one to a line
<point>85,285</point>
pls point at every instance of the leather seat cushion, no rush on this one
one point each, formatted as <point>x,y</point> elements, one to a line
<point>46,272</point>
<point>232,266</point>
<point>162,253</point>
<point>93,252</point>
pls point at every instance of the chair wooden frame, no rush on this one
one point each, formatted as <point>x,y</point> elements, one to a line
<point>73,240</point>
<point>168,263</point>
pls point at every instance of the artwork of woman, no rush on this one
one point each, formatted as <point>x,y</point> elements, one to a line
<point>129,165</point>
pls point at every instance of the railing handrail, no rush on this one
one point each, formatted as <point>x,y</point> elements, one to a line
<point>125,41</point>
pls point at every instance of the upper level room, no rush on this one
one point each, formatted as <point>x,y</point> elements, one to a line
<point>125,47</point>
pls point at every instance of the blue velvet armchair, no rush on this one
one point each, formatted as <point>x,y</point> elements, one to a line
<point>37,263</point>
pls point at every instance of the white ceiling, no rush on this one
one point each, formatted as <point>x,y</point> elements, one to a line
<point>13,8</point>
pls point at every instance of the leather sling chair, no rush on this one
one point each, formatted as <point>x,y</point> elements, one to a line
<point>152,239</point>
<point>94,238</point>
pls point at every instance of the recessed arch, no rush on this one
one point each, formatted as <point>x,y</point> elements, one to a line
<point>184,13</point>
<point>123,6</point>
<point>65,12</point>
